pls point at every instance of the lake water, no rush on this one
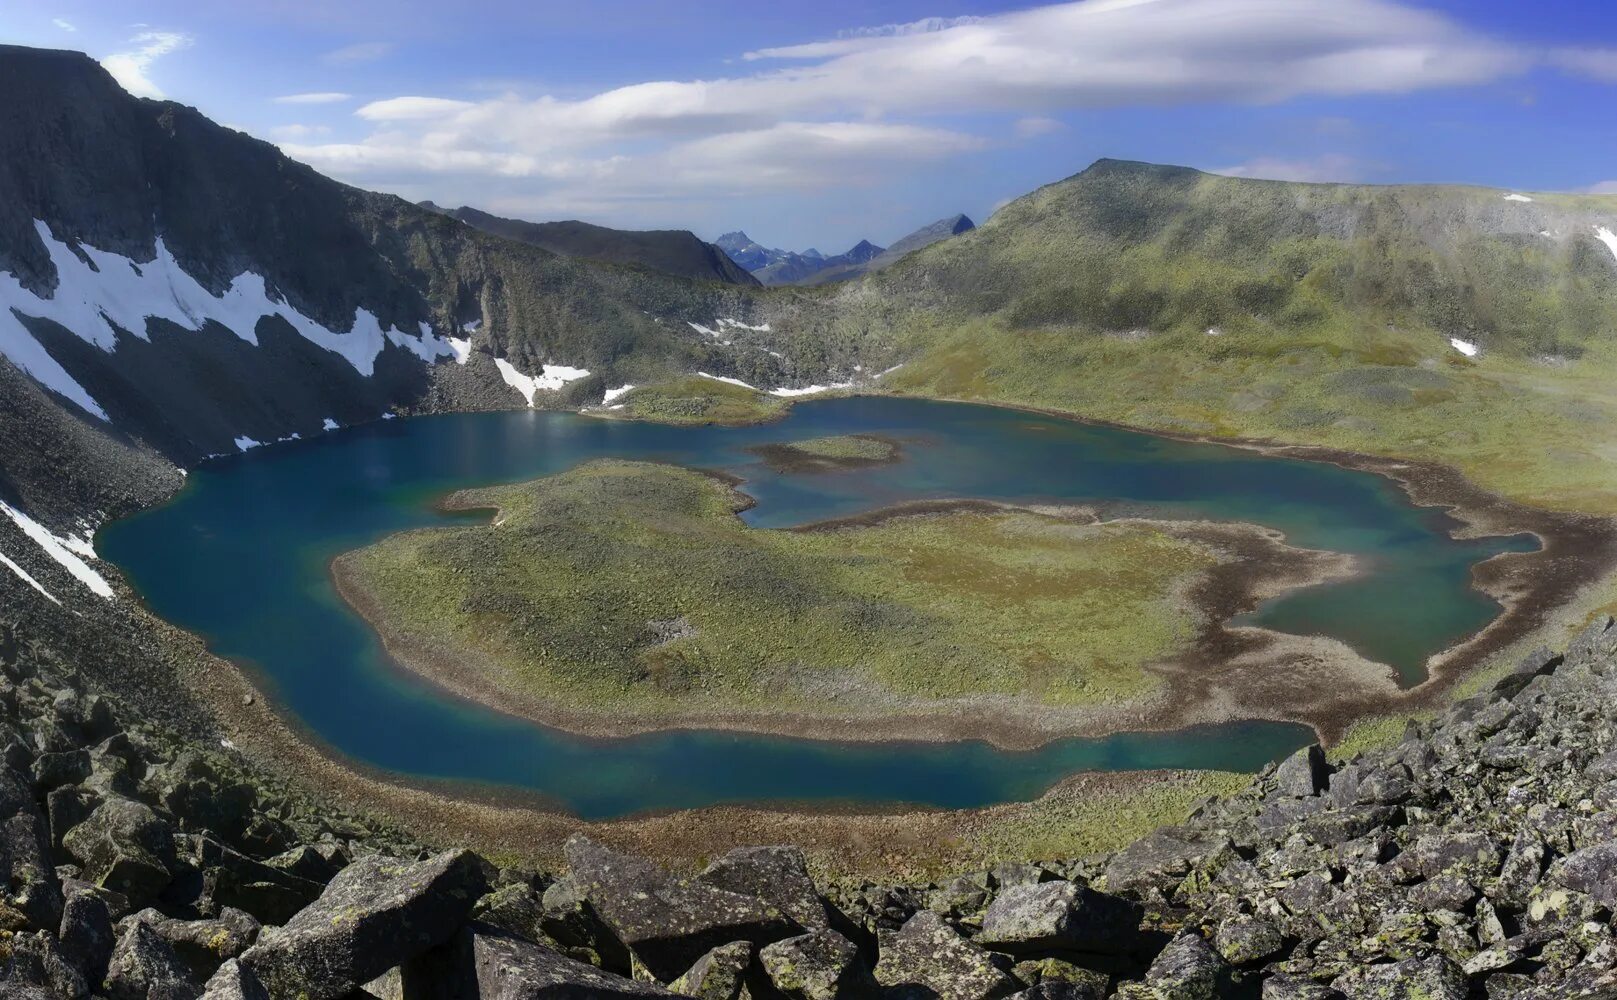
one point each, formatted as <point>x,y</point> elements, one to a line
<point>240,557</point>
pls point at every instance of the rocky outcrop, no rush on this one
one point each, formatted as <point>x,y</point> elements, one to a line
<point>1475,858</point>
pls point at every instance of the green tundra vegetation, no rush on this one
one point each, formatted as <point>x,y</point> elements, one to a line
<point>846,447</point>
<point>1169,299</point>
<point>699,400</point>
<point>633,590</point>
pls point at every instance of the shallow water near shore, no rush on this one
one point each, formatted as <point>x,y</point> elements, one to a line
<point>241,556</point>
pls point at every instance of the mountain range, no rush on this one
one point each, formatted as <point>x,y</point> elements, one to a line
<point>810,267</point>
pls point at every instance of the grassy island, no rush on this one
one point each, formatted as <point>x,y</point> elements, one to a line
<point>841,451</point>
<point>700,400</point>
<point>632,593</point>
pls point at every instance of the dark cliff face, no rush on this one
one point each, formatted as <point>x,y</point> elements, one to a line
<point>101,169</point>
<point>671,251</point>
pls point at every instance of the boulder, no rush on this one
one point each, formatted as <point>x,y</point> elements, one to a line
<point>37,959</point>
<point>777,875</point>
<point>819,965</point>
<point>1592,870</point>
<point>1166,855</point>
<point>1060,916</point>
<point>491,965</point>
<point>1303,774</point>
<point>87,935</point>
<point>928,958</point>
<point>31,887</point>
<point>668,924</point>
<point>376,914</point>
<point>144,967</point>
<point>126,847</point>
<point>203,944</point>
<point>1243,939</point>
<point>721,974</point>
<point>1187,969</point>
<point>234,982</point>
<point>1433,978</point>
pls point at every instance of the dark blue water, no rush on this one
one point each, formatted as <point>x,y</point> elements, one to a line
<point>241,558</point>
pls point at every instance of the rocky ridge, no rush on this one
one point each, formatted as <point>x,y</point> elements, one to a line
<point>1476,858</point>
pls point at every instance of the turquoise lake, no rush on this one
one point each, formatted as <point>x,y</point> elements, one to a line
<point>240,557</point>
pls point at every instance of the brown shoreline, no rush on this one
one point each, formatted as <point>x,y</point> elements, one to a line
<point>1258,565</point>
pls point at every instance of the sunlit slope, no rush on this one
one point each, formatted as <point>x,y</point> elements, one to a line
<point>1327,314</point>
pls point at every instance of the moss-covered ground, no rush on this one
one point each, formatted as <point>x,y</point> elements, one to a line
<point>699,400</point>
<point>623,587</point>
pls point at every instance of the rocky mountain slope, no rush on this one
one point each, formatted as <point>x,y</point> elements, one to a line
<point>1477,858</point>
<point>811,267</point>
<point>922,238</point>
<point>671,251</point>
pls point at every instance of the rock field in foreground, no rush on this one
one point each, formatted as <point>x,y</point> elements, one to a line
<point>1477,858</point>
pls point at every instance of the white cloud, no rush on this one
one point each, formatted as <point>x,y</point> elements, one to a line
<point>1604,187</point>
<point>1597,64</point>
<point>64,24</point>
<point>864,100</point>
<point>1332,167</point>
<point>129,68</point>
<point>318,97</point>
<point>1036,125</point>
<point>359,52</point>
<point>296,133</point>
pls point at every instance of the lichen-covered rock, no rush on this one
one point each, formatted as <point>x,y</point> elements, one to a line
<point>820,965</point>
<point>928,958</point>
<point>87,934</point>
<point>145,967</point>
<point>667,924</point>
<point>1187,969</point>
<point>1593,871</point>
<point>721,974</point>
<point>777,875</point>
<point>1062,916</point>
<point>1303,774</point>
<point>203,944</point>
<point>491,965</point>
<point>234,982</point>
<point>38,960</point>
<point>376,914</point>
<point>1163,856</point>
<point>1432,978</point>
<point>1244,938</point>
<point>126,847</point>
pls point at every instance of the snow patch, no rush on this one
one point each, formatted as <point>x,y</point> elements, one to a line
<point>1607,237</point>
<point>27,579</point>
<point>329,425</point>
<point>471,326</point>
<point>732,381</point>
<point>462,349</point>
<point>890,370</point>
<point>810,390</point>
<point>69,552</point>
<point>112,292</point>
<point>612,394</point>
<point>1517,197</point>
<point>243,443</point>
<point>550,377</point>
<point>1466,347</point>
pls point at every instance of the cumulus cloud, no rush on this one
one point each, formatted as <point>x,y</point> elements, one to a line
<point>318,97</point>
<point>850,105</point>
<point>64,24</point>
<point>130,68</point>
<point>1332,167</point>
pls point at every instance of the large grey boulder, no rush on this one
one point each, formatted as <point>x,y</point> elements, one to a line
<point>777,875</point>
<point>38,960</point>
<point>203,945</point>
<point>820,965</point>
<point>1060,916</point>
<point>668,924</point>
<point>145,967</point>
<point>1592,870</point>
<point>722,974</point>
<point>87,935</point>
<point>1303,774</point>
<point>233,982</point>
<point>125,847</point>
<point>1187,969</point>
<point>926,958</point>
<point>376,914</point>
<point>491,965</point>
<point>1434,978</point>
<point>1165,855</point>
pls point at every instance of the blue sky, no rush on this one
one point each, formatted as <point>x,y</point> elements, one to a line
<point>817,125</point>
